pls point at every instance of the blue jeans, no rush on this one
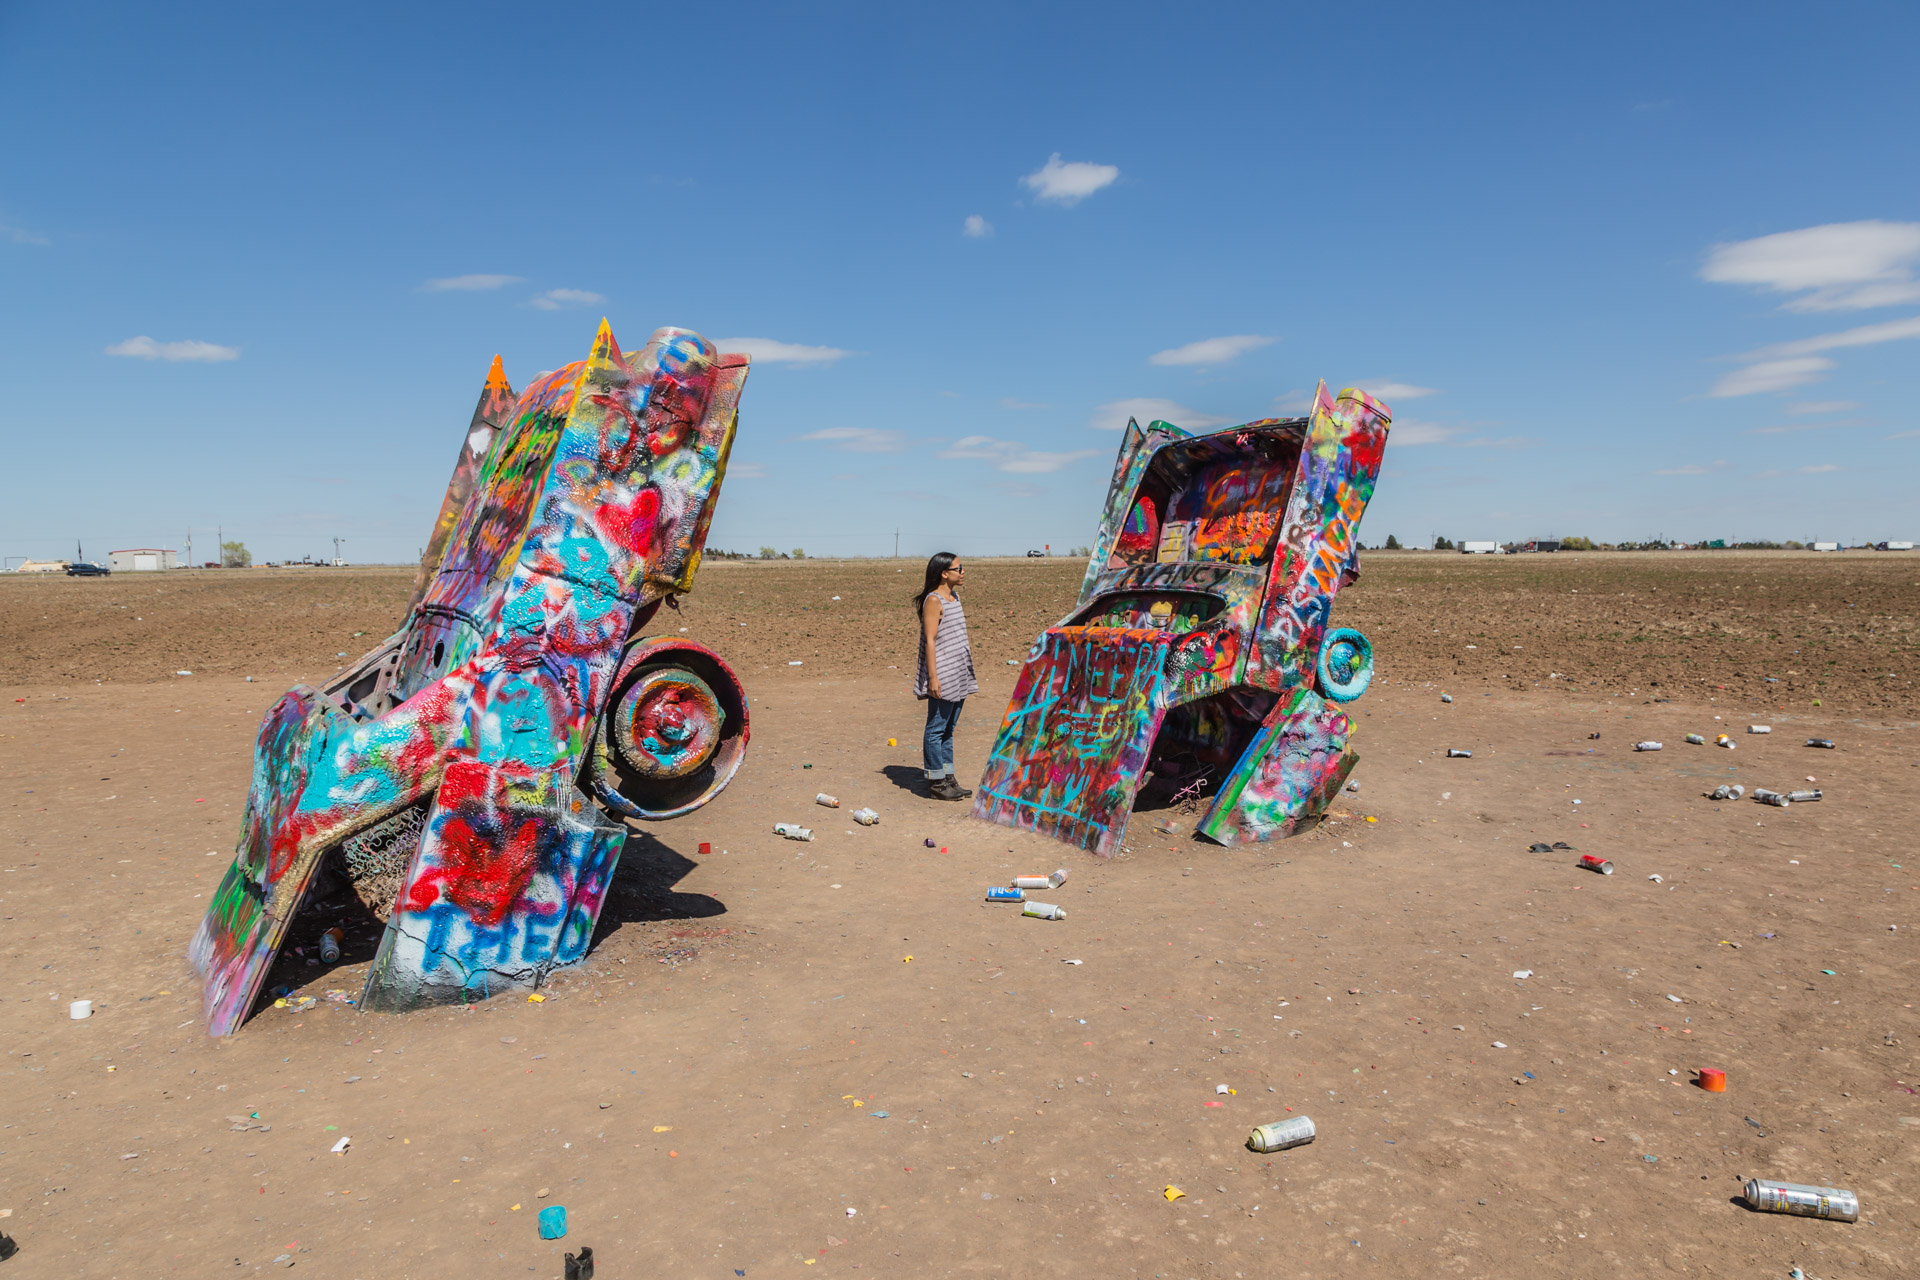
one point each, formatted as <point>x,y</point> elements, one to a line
<point>941,717</point>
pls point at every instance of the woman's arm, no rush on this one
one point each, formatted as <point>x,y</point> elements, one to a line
<point>929,625</point>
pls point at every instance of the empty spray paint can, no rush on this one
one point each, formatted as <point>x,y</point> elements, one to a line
<point>1821,742</point>
<point>1455,753</point>
<point>1759,728</point>
<point>829,801</point>
<point>1803,1201</point>
<point>1058,878</point>
<point>1774,798</point>
<point>1722,740</point>
<point>1032,882</point>
<point>866,817</point>
<point>1281,1134</point>
<point>330,945</point>
<point>792,831</point>
<point>997,894</point>
<point>1592,863</point>
<point>1727,792</point>
<point>1044,910</point>
<point>1696,740</point>
<point>1801,797</point>
<point>1649,746</point>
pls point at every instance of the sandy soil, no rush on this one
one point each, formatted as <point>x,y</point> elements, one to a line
<point>794,1060</point>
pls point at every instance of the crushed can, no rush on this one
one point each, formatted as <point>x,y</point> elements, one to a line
<point>1281,1134</point>
<point>830,802</point>
<point>1723,740</point>
<point>1455,753</point>
<point>792,831</point>
<point>1774,798</point>
<point>1592,863</point>
<point>1802,797</point>
<point>1649,746</point>
<point>866,817</point>
<point>997,894</point>
<point>1044,910</point>
<point>1821,742</point>
<point>1803,1201</point>
<point>1058,878</point>
<point>1696,739</point>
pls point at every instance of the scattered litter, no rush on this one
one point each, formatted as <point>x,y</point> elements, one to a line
<point>877,1115</point>
<point>1281,1134</point>
<point>536,998</point>
<point>1830,973</point>
<point>1592,863</point>
<point>581,1268</point>
<point>1073,962</point>
<point>341,1145</point>
<point>1676,999</point>
<point>1523,973</point>
<point>1821,742</point>
<point>553,1222</point>
<point>1774,798</point>
<point>1012,663</point>
<point>1353,786</point>
<point>930,842</point>
<point>1167,827</point>
<point>1722,740</point>
<point>793,664</point>
<point>1593,737</point>
<point>866,817</point>
<point>1759,728</point>
<point>998,894</point>
<point>80,1010</point>
<point>183,673</point>
<point>792,831</point>
<point>1655,877</point>
<point>826,801</point>
<point>1499,1044</point>
<point>1802,1201</point>
<point>1173,1193</point>
<point>1713,1079</point>
<point>1446,697</point>
<point>1053,881</point>
<point>893,742</point>
<point>1649,746</point>
<point>1804,797</point>
<point>330,945</point>
<point>1696,740</point>
<point>1044,911</point>
<point>1727,792</point>
<point>1455,753</point>
<point>1222,1089</point>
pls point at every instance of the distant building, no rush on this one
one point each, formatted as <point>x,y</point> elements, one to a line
<point>43,566</point>
<point>1480,548</point>
<point>142,559</point>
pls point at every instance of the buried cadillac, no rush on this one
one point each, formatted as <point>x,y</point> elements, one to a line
<point>1198,663</point>
<point>469,777</point>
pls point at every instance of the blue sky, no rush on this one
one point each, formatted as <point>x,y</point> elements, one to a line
<point>1622,272</point>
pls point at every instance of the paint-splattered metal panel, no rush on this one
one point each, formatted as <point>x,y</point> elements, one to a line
<point>1071,749</point>
<point>1288,774</point>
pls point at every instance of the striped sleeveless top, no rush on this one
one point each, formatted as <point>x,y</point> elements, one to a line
<point>952,655</point>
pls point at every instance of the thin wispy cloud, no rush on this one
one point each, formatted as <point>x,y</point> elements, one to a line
<point>1211,350</point>
<point>1771,375</point>
<point>1819,468</point>
<point>1866,335</point>
<point>1823,406</point>
<point>1294,402</point>
<point>859,439</point>
<point>1069,183</point>
<point>565,299</point>
<point>1691,469</point>
<point>1412,431</point>
<point>1837,267</point>
<point>188,350</point>
<point>1113,415</point>
<point>746,471</point>
<point>1905,435</point>
<point>468,284</point>
<point>1015,459</point>
<point>1388,390</point>
<point>773,351</point>
<point>20,235</point>
<point>1792,428</point>
<point>976,227</point>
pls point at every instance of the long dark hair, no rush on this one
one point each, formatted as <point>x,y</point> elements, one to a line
<point>936,569</point>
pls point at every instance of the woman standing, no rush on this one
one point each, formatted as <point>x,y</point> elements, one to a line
<point>946,669</point>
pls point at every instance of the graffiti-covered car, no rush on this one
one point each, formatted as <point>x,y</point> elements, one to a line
<point>1199,655</point>
<point>469,777</point>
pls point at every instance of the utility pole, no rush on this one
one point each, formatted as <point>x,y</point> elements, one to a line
<point>896,544</point>
<point>189,546</point>
<point>220,545</point>
<point>336,549</point>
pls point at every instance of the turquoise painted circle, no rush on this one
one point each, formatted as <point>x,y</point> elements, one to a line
<point>1346,664</point>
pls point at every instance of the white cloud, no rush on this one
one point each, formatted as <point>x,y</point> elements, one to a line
<point>1070,183</point>
<point>1212,350</point>
<point>1839,266</point>
<point>976,227</point>
<point>1905,435</point>
<point>1823,406</point>
<point>773,351</point>
<point>564,299</point>
<point>859,439</point>
<point>1390,391</point>
<point>1015,459</point>
<point>1819,468</point>
<point>1865,335</point>
<point>1294,402</point>
<point>1771,375</point>
<point>747,470</point>
<point>1412,431</point>
<point>20,235</point>
<point>468,284</point>
<point>1113,415</point>
<point>145,348</point>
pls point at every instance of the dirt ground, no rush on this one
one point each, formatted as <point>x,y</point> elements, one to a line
<point>983,1105</point>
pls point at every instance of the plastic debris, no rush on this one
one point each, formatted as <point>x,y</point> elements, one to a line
<point>1713,1079</point>
<point>1446,697</point>
<point>341,1145</point>
<point>1523,973</point>
<point>1173,1193</point>
<point>1655,877</point>
<point>80,1010</point>
<point>930,843</point>
<point>553,1222</point>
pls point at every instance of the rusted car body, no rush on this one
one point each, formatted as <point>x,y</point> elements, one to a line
<point>1199,659</point>
<point>470,776</point>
